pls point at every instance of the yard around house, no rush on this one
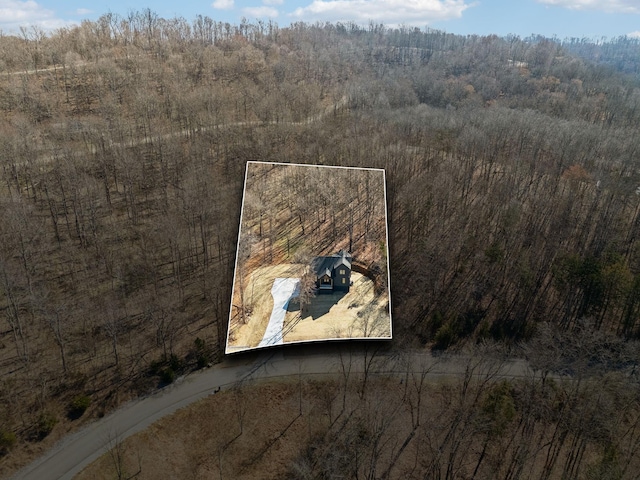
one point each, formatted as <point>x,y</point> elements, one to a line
<point>356,314</point>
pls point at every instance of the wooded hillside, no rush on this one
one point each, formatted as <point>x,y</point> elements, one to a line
<point>512,171</point>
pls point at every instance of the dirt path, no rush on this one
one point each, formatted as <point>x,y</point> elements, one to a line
<point>186,133</point>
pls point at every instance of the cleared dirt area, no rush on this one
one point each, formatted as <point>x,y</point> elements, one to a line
<point>356,314</point>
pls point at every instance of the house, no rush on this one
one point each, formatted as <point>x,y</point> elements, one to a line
<point>333,274</point>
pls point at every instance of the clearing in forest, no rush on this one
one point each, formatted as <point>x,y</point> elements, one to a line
<point>311,263</point>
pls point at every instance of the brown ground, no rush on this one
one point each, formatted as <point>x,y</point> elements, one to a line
<point>303,428</point>
<point>284,222</point>
<point>232,435</point>
<point>356,314</point>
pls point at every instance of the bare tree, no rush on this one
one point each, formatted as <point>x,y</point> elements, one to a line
<point>118,454</point>
<point>306,289</point>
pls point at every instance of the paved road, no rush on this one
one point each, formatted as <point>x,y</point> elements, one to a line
<point>282,291</point>
<point>73,453</point>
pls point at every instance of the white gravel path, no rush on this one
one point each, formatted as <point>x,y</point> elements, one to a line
<point>282,291</point>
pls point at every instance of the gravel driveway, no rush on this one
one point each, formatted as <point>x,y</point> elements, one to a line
<point>283,290</point>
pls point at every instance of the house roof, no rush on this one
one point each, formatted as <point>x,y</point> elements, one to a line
<point>325,265</point>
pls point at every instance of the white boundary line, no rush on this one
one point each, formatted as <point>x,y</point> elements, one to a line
<point>232,350</point>
<point>386,225</point>
<point>235,266</point>
<point>316,165</point>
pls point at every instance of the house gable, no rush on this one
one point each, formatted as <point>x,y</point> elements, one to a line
<point>337,267</point>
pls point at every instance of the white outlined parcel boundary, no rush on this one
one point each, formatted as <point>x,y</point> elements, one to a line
<point>312,257</point>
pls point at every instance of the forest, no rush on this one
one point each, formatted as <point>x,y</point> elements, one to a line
<point>513,191</point>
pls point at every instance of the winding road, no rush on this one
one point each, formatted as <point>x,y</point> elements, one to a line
<point>76,451</point>
<point>69,456</point>
<point>49,157</point>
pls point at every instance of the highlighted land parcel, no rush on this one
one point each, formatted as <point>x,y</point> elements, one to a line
<point>312,257</point>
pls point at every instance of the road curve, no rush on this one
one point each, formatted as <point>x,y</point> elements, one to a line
<point>69,456</point>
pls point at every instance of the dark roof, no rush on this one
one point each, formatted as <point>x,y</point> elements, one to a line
<point>325,265</point>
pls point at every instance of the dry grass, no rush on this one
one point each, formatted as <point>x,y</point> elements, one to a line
<point>256,432</point>
<point>356,314</point>
<point>320,428</point>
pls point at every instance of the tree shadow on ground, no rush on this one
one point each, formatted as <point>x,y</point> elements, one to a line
<point>319,305</point>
